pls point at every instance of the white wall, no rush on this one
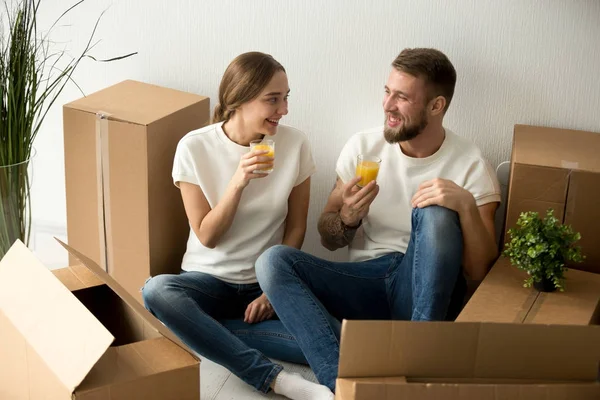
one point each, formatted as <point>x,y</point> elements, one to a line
<point>518,61</point>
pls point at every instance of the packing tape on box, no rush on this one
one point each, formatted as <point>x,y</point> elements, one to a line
<point>526,308</point>
<point>569,164</point>
<point>531,307</point>
<point>103,188</point>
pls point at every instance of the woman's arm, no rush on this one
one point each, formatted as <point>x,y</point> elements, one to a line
<point>208,224</point>
<point>295,222</point>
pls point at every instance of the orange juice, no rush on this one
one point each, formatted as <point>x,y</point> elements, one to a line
<point>264,145</point>
<point>367,170</point>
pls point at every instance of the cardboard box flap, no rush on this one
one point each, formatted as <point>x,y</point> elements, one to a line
<point>393,389</point>
<point>537,351</point>
<point>469,350</point>
<point>553,147</point>
<point>127,298</point>
<point>77,277</point>
<point>56,325</point>
<point>134,361</point>
<point>136,102</point>
<point>407,349</point>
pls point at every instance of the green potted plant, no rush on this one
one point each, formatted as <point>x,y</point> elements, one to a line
<point>542,247</point>
<point>32,76</point>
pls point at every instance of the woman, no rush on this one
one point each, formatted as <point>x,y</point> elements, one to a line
<point>235,212</point>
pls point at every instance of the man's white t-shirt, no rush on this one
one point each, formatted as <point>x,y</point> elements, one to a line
<point>387,227</point>
<point>208,158</point>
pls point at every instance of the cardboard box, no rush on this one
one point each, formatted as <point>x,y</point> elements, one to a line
<point>78,334</point>
<point>122,207</point>
<point>501,297</point>
<point>453,360</point>
<point>558,169</point>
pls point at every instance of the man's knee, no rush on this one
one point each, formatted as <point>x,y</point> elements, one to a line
<point>435,214</point>
<point>271,263</point>
<point>437,222</point>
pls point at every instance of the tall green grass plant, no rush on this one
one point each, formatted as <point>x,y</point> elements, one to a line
<point>32,76</point>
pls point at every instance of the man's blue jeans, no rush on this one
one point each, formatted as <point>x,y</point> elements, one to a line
<point>206,313</point>
<point>307,291</point>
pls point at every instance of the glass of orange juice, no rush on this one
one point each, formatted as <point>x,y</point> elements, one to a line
<point>264,145</point>
<point>367,167</point>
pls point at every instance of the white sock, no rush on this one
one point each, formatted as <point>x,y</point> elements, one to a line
<point>295,387</point>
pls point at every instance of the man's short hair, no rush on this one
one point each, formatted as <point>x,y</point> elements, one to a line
<point>431,65</point>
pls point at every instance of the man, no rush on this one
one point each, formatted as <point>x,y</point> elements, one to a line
<point>427,219</point>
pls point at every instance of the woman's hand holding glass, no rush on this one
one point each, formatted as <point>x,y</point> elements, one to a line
<point>250,163</point>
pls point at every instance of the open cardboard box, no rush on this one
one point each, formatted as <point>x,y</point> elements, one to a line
<point>78,334</point>
<point>453,360</point>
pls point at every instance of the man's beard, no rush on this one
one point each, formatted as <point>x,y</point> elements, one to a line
<point>405,132</point>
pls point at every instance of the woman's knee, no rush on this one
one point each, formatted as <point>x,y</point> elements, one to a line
<point>154,290</point>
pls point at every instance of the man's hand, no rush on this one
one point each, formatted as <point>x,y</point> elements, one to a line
<point>356,201</point>
<point>445,193</point>
<point>259,310</point>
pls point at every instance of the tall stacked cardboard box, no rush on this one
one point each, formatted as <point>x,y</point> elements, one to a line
<point>123,210</point>
<point>558,169</point>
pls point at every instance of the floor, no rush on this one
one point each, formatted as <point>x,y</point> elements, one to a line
<point>217,383</point>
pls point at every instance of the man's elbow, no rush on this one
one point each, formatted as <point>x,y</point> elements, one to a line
<point>477,271</point>
<point>328,245</point>
<point>326,240</point>
<point>476,274</point>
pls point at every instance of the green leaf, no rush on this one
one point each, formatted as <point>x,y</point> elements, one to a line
<point>541,247</point>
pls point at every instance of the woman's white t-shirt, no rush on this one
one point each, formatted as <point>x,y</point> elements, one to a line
<point>208,158</point>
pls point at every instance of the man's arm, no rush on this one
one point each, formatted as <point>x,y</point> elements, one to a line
<point>334,233</point>
<point>346,206</point>
<point>479,240</point>
<point>477,223</point>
